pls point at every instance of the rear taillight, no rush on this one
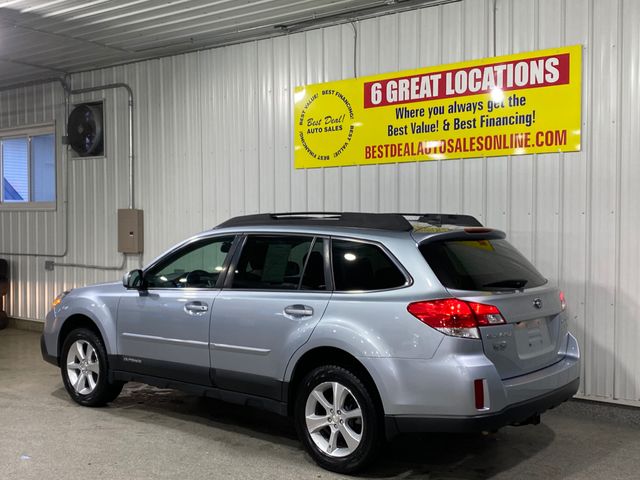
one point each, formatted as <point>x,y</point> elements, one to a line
<point>563,302</point>
<point>456,317</point>
<point>486,314</point>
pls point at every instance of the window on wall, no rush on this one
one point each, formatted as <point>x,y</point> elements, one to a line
<point>28,165</point>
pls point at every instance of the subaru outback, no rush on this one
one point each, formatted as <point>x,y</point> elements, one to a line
<point>359,326</point>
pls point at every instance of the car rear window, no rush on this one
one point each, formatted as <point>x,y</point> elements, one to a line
<point>480,265</point>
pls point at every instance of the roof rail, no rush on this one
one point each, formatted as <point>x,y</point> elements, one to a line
<point>376,221</point>
<point>440,219</point>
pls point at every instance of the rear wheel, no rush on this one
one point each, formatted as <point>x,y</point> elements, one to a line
<point>85,368</point>
<point>337,419</point>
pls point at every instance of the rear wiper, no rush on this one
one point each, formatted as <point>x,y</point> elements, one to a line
<point>516,283</point>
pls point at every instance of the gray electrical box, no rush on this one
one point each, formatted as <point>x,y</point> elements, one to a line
<point>130,231</point>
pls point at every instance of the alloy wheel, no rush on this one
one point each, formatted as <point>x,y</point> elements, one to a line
<point>334,419</point>
<point>83,367</point>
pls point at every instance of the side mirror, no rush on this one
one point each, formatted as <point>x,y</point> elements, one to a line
<point>134,280</point>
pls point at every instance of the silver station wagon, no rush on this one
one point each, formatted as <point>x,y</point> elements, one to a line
<point>359,326</point>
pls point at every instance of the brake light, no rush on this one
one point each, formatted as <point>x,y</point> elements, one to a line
<point>455,317</point>
<point>563,302</point>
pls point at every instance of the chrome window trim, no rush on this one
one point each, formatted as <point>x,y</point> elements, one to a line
<point>238,245</point>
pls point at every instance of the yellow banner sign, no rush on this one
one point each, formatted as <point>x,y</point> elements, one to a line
<point>511,105</point>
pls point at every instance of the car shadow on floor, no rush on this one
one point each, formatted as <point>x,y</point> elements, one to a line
<point>451,456</point>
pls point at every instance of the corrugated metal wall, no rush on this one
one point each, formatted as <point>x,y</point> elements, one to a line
<point>214,133</point>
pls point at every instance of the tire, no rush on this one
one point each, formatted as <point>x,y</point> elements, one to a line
<point>84,355</point>
<point>341,436</point>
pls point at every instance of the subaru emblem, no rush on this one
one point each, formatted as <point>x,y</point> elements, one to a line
<point>537,303</point>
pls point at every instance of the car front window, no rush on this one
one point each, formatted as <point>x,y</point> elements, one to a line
<point>196,266</point>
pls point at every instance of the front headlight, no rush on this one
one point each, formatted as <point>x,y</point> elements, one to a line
<point>58,299</point>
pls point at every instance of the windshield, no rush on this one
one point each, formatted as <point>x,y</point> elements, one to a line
<point>480,265</point>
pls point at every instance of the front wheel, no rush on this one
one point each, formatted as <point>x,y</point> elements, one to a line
<point>85,369</point>
<point>337,419</point>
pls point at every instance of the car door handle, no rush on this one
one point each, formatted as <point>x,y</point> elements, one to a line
<point>299,310</point>
<point>194,308</point>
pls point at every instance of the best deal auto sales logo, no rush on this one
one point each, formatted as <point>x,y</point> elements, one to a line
<point>326,124</point>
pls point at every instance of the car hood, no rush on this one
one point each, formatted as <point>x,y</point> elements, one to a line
<point>102,288</point>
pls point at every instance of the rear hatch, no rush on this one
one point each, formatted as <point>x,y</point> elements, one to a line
<point>485,268</point>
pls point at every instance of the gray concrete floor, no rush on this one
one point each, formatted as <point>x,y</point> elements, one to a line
<point>149,433</point>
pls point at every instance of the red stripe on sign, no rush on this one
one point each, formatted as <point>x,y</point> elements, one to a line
<point>535,72</point>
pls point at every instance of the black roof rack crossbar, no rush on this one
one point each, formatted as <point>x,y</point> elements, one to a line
<point>376,221</point>
<point>439,219</point>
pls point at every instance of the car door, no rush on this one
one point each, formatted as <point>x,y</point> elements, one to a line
<point>276,292</point>
<point>163,329</point>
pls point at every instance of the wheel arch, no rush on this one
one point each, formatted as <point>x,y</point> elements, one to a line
<point>74,322</point>
<point>327,355</point>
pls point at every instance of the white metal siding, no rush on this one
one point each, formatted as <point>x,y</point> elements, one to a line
<point>214,139</point>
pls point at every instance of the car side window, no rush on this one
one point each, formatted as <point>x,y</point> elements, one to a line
<point>361,266</point>
<point>276,262</point>
<point>195,266</point>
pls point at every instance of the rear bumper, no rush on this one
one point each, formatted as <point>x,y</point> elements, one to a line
<point>516,413</point>
<point>52,359</point>
<point>438,394</point>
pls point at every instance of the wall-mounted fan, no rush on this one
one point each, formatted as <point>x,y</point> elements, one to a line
<point>85,130</point>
